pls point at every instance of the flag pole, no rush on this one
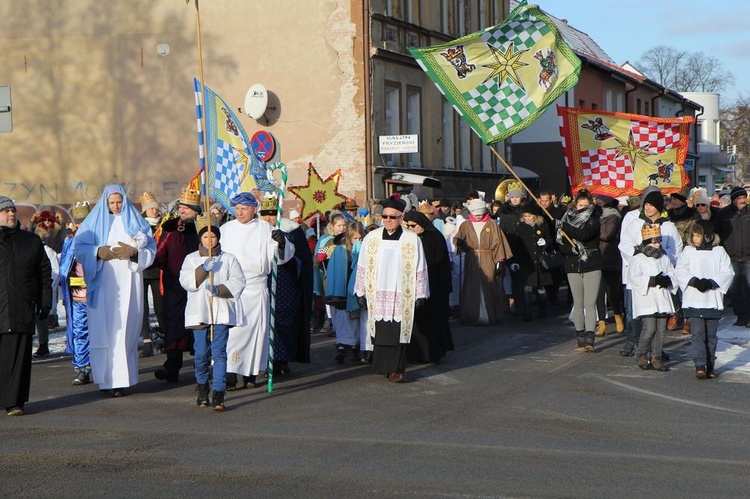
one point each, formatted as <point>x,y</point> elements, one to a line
<point>274,280</point>
<point>502,160</point>
<point>204,176</point>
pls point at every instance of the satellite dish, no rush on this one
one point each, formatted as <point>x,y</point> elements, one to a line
<point>256,101</point>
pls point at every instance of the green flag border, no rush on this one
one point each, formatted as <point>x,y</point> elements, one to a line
<point>449,90</point>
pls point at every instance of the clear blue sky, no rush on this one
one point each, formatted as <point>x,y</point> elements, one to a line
<point>627,29</point>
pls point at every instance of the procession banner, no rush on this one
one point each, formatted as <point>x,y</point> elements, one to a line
<point>501,79</point>
<point>621,154</point>
<point>231,163</point>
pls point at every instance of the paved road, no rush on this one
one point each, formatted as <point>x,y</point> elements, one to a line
<point>516,411</point>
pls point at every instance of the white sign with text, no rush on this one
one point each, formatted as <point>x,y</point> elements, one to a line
<point>398,144</point>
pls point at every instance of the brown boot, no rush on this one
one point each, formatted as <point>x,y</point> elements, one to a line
<point>619,323</point>
<point>643,361</point>
<point>657,363</point>
<point>686,327</point>
<point>601,328</point>
<point>672,322</point>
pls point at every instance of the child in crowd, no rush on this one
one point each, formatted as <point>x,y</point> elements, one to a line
<point>74,298</point>
<point>651,277</point>
<point>704,274</point>
<point>213,285</point>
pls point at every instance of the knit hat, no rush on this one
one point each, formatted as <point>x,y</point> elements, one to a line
<point>476,207</point>
<point>607,200</point>
<point>6,203</point>
<point>737,192</point>
<point>532,208</point>
<point>377,209</point>
<point>655,199</point>
<point>679,196</point>
<point>700,197</point>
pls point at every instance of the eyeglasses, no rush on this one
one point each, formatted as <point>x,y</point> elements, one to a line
<point>701,204</point>
<point>392,217</point>
<point>411,226</point>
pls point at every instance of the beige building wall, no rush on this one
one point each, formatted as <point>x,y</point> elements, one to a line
<point>94,104</point>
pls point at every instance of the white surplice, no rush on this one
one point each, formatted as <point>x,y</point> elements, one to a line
<point>251,243</point>
<point>115,323</point>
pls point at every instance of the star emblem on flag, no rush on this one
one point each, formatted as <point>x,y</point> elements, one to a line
<point>506,65</point>
<point>633,151</point>
<point>318,196</point>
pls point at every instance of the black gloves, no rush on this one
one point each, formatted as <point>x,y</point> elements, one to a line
<point>278,236</point>
<point>419,303</point>
<point>661,280</point>
<point>461,245</point>
<point>362,302</point>
<point>43,313</point>
<point>703,285</point>
<point>499,270</point>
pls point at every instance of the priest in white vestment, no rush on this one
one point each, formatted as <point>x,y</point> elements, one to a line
<point>391,282</point>
<point>114,245</point>
<point>254,243</point>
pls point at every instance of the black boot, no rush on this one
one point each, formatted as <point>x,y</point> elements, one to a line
<point>171,370</point>
<point>217,401</point>
<point>366,357</point>
<point>589,341</point>
<point>202,390</point>
<point>231,381</point>
<point>42,351</point>
<point>340,353</point>
<point>581,337</point>
<point>148,350</point>
<point>83,376</point>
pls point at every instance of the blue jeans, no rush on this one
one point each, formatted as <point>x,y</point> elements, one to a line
<point>703,340</point>
<point>218,353</point>
<point>739,291</point>
<point>632,326</point>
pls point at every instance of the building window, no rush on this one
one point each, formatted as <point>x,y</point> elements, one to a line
<point>638,106</point>
<point>620,102</point>
<point>646,109</point>
<point>392,118</point>
<point>699,131</point>
<point>465,144</point>
<point>581,104</point>
<point>449,160</point>
<point>413,121</point>
<point>608,99</point>
<point>389,8</point>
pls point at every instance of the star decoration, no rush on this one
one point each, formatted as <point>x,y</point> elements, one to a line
<point>319,195</point>
<point>634,152</point>
<point>505,65</point>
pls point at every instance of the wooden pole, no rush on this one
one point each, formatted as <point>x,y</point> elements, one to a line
<point>502,160</point>
<point>204,175</point>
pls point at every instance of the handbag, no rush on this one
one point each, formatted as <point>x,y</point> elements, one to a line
<point>552,260</point>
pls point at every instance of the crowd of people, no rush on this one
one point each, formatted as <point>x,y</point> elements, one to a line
<point>385,279</point>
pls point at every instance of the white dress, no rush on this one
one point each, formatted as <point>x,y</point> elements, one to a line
<point>115,322</point>
<point>251,244</point>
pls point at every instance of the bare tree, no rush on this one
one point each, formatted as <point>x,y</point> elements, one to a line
<point>684,71</point>
<point>736,123</point>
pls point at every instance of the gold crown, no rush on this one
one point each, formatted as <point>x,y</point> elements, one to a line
<point>148,198</point>
<point>269,202</point>
<point>452,53</point>
<point>649,232</point>
<point>201,221</point>
<point>515,186</point>
<point>190,197</point>
<point>80,210</point>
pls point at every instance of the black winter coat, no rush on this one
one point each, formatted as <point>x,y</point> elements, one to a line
<point>510,218</point>
<point>588,235</point>
<point>733,228</point>
<point>25,280</point>
<point>609,239</point>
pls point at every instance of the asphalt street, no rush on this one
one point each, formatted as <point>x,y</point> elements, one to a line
<point>515,411</point>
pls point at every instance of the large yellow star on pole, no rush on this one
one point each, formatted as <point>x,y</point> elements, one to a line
<point>634,152</point>
<point>506,65</point>
<point>318,196</point>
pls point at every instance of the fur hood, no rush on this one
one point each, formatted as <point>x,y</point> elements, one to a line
<point>286,225</point>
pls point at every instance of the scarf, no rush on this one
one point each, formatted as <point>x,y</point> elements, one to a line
<point>610,212</point>
<point>649,251</point>
<point>482,218</point>
<point>203,251</point>
<point>577,219</point>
